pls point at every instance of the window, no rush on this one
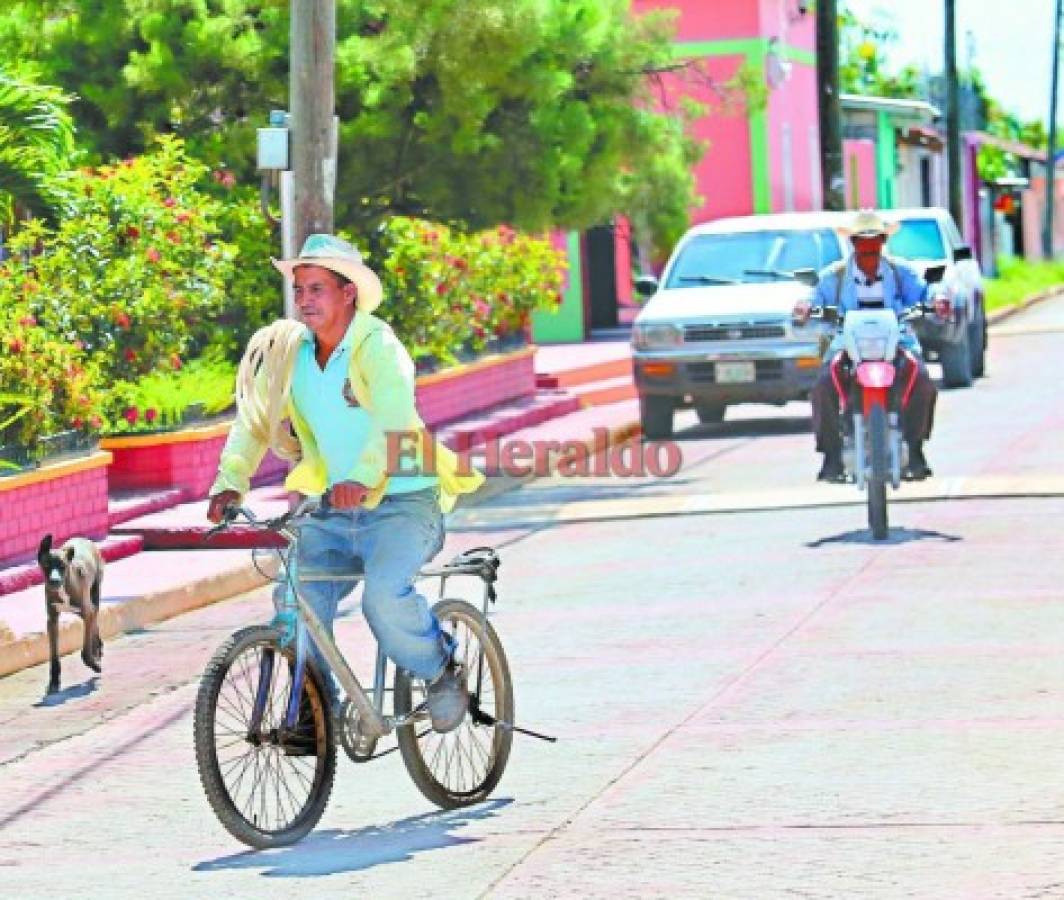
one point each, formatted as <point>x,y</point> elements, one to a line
<point>752,256</point>
<point>917,239</point>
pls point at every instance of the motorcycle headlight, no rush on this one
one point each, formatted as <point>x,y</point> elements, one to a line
<point>872,348</point>
<point>656,337</point>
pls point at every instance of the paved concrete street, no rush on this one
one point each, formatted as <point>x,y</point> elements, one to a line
<point>752,703</point>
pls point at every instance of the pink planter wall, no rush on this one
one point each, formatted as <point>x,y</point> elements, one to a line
<point>453,394</point>
<point>65,499</point>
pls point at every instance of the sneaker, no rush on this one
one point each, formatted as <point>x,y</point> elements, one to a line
<point>832,469</point>
<point>448,699</point>
<point>917,469</point>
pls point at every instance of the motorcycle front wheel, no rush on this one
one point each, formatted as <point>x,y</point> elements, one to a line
<point>879,451</point>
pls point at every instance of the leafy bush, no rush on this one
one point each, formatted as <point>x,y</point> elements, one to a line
<point>253,293</point>
<point>446,291</point>
<point>134,271</point>
<point>47,385</point>
<point>163,399</point>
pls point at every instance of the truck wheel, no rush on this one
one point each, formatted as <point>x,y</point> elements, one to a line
<point>957,363</point>
<point>977,345</point>
<point>655,415</point>
<point>711,413</point>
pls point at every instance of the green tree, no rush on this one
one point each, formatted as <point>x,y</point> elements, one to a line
<point>863,66</point>
<point>532,112</point>
<point>36,141</point>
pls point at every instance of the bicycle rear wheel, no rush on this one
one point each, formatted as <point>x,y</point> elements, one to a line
<point>463,766</point>
<point>268,786</point>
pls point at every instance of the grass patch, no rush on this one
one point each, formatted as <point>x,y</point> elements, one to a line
<point>1018,279</point>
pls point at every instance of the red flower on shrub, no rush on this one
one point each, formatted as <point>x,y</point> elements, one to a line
<point>15,345</point>
<point>169,203</point>
<point>507,234</point>
<point>131,356</point>
<point>173,237</point>
<point>153,255</point>
<point>95,422</point>
<point>27,322</point>
<point>122,320</point>
<point>175,362</point>
<point>183,218</point>
<point>132,232</point>
<point>29,286</point>
<point>460,264</point>
<point>483,309</point>
<point>442,289</point>
<point>131,415</point>
<point>478,331</point>
<point>76,423</point>
<point>149,415</point>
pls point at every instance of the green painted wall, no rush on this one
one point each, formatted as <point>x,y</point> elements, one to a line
<point>886,162</point>
<point>567,324</point>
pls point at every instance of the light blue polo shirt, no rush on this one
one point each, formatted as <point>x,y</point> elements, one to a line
<point>339,427</point>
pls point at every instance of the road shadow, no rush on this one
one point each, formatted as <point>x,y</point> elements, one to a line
<point>70,693</point>
<point>334,851</point>
<point>895,537</point>
<point>747,428</point>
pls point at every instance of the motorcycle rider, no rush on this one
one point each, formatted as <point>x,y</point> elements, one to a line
<point>869,276</point>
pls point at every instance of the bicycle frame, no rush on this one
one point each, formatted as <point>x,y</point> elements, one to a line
<point>373,723</point>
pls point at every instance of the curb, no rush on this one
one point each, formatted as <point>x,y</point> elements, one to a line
<point>149,609</point>
<point>1007,312</point>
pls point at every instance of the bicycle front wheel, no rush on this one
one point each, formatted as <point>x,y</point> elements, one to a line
<point>268,786</point>
<point>463,766</point>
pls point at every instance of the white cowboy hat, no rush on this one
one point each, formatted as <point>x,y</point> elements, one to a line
<point>868,223</point>
<point>336,255</point>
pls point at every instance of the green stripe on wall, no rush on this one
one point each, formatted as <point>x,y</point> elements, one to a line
<point>567,324</point>
<point>760,162</point>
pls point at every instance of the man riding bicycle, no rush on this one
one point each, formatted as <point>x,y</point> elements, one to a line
<point>335,393</point>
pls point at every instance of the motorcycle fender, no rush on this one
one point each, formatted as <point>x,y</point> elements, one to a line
<point>875,375</point>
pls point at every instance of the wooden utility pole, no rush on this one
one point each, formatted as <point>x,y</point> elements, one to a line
<point>1051,155</point>
<point>312,100</point>
<point>953,118</point>
<point>827,76</point>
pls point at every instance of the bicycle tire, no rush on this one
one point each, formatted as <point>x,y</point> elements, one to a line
<point>454,616</point>
<point>235,817</point>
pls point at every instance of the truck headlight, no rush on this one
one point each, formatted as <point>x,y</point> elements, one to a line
<point>656,337</point>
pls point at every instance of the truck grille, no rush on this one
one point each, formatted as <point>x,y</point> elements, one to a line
<point>766,370</point>
<point>695,333</point>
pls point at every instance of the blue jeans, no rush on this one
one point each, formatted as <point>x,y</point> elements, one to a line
<point>392,542</point>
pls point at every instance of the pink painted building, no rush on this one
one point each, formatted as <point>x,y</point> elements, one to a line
<point>764,157</point>
<point>761,157</point>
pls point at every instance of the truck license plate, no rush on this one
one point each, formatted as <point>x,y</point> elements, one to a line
<point>735,372</point>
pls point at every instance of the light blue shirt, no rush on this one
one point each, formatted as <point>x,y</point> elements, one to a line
<point>899,293</point>
<point>340,426</point>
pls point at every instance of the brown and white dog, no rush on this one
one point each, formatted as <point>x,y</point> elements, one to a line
<point>73,575</point>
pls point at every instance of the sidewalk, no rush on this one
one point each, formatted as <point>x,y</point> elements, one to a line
<point>170,573</point>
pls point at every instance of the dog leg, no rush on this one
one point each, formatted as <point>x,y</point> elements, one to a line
<point>53,647</point>
<point>88,647</point>
<point>94,596</point>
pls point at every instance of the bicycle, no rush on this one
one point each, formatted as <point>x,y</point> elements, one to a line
<point>265,738</point>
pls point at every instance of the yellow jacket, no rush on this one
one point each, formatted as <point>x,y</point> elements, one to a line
<point>382,378</point>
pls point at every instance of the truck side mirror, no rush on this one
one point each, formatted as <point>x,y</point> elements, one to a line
<point>962,253</point>
<point>646,285</point>
<point>934,274</point>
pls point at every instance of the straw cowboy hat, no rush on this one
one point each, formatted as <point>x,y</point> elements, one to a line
<point>868,223</point>
<point>337,255</point>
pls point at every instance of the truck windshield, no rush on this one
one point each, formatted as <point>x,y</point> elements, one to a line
<point>752,256</point>
<point>917,239</point>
